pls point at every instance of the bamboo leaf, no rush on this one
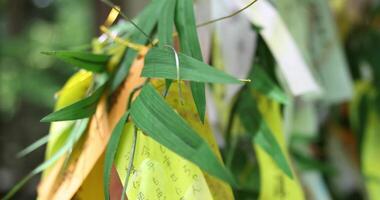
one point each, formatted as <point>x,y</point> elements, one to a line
<point>75,135</point>
<point>253,122</point>
<point>78,110</point>
<point>154,117</point>
<point>189,43</point>
<point>35,145</point>
<point>165,23</point>
<point>263,83</point>
<point>111,152</point>
<point>85,60</point>
<point>160,63</point>
<point>165,29</point>
<point>146,21</point>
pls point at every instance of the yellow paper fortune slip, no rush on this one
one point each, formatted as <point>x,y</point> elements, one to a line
<point>159,173</point>
<point>274,183</point>
<point>370,149</point>
<point>74,89</point>
<point>86,154</point>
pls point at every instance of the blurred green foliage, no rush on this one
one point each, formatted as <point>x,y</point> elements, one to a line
<point>25,74</point>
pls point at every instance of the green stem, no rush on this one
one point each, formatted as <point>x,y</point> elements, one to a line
<point>130,164</point>
<point>228,16</point>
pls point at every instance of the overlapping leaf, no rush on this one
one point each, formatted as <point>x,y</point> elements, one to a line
<point>253,122</point>
<point>160,63</point>
<point>154,117</point>
<point>111,152</point>
<point>165,23</point>
<point>78,110</point>
<point>75,135</point>
<point>189,43</point>
<point>263,83</point>
<point>84,60</point>
<point>146,21</point>
<point>165,28</point>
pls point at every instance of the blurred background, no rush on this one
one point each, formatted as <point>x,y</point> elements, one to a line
<point>28,79</point>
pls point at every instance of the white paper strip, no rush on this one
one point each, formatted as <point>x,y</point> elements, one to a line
<point>296,72</point>
<point>237,42</point>
<point>314,30</point>
<point>202,13</point>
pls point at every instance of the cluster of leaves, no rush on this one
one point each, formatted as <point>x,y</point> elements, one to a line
<point>149,111</point>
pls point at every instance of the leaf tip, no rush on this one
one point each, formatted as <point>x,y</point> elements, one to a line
<point>49,53</point>
<point>46,119</point>
<point>245,80</point>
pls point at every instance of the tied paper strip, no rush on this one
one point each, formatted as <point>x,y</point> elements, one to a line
<point>158,172</point>
<point>313,28</point>
<point>274,183</point>
<point>237,44</point>
<point>294,68</point>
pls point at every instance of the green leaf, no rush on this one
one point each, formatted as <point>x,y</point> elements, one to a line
<point>85,60</point>
<point>261,82</point>
<point>35,145</point>
<point>155,117</point>
<point>75,135</point>
<point>78,130</point>
<point>160,63</point>
<point>253,122</point>
<point>78,110</point>
<point>165,29</point>
<point>165,23</point>
<point>146,21</point>
<point>111,152</point>
<point>308,163</point>
<point>189,43</point>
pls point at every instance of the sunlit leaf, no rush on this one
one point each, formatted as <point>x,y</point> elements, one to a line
<point>84,60</point>
<point>160,63</point>
<point>152,115</point>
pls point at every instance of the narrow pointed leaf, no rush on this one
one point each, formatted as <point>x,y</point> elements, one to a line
<point>146,21</point>
<point>75,135</point>
<point>111,152</point>
<point>165,29</point>
<point>253,122</point>
<point>35,145</point>
<point>189,43</point>
<point>268,142</point>
<point>166,23</point>
<point>78,110</point>
<point>84,60</point>
<point>261,82</point>
<point>155,117</point>
<point>160,63</point>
